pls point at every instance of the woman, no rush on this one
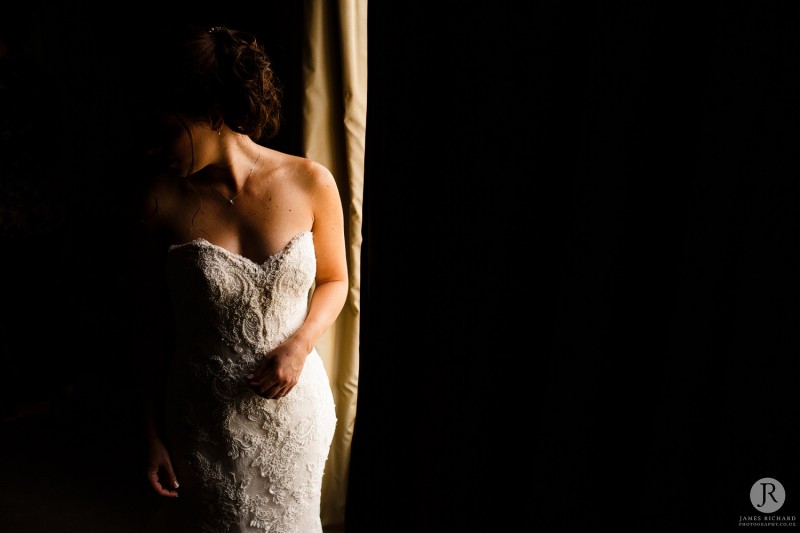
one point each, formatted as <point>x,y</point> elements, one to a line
<point>242,263</point>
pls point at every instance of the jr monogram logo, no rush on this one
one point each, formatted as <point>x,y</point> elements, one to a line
<point>767,495</point>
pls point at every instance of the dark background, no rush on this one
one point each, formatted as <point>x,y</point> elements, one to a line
<point>580,296</point>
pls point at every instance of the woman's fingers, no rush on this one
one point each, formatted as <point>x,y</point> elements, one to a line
<point>268,392</point>
<point>271,392</point>
<point>170,482</point>
<point>158,487</point>
<point>267,384</point>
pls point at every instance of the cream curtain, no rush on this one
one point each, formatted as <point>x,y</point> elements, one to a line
<point>335,114</point>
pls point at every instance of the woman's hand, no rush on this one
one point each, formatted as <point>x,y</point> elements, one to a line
<point>159,469</point>
<point>279,371</point>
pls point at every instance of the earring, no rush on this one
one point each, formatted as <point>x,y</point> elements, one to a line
<point>219,132</point>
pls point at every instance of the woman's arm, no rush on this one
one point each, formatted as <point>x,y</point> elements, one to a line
<point>150,337</point>
<point>280,370</point>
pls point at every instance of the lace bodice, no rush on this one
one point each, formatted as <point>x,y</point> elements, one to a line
<point>237,297</point>
<point>246,463</point>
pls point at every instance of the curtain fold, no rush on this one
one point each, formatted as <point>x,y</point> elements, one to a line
<point>334,132</point>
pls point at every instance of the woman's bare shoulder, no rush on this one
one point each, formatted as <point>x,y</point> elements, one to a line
<point>158,198</point>
<point>305,173</point>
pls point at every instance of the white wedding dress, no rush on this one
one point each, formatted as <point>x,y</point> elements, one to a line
<point>244,463</point>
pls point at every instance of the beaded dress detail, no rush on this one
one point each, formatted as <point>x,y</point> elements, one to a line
<point>245,463</point>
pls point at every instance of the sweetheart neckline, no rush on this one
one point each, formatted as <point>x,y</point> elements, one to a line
<point>269,259</point>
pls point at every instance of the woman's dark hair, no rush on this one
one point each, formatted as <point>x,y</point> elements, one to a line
<point>214,72</point>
